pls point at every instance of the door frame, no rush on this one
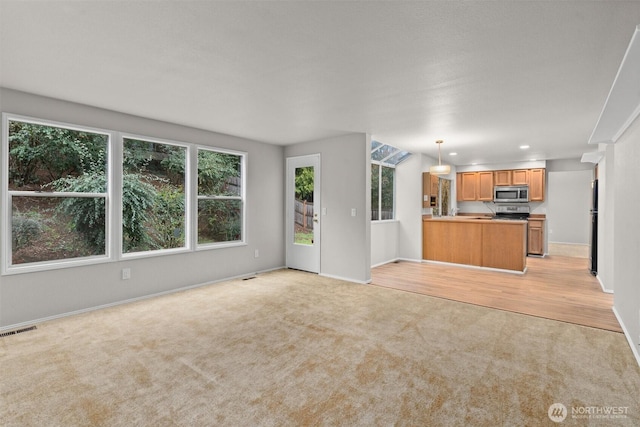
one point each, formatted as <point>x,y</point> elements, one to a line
<point>296,253</point>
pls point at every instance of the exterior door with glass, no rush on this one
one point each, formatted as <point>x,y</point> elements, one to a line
<point>303,213</point>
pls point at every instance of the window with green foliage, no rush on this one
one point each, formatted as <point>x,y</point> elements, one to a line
<point>384,159</point>
<point>60,208</point>
<point>382,192</point>
<point>220,197</point>
<point>57,180</point>
<point>153,196</point>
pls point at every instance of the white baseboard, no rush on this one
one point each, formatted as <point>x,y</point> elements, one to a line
<point>410,260</point>
<point>130,300</point>
<point>634,349</point>
<point>385,262</point>
<point>396,260</point>
<point>604,288</point>
<point>346,279</point>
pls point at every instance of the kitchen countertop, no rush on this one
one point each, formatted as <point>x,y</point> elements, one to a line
<point>468,218</point>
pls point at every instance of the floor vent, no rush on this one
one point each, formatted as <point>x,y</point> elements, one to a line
<point>18,331</point>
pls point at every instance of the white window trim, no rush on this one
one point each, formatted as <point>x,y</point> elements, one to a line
<point>381,165</point>
<point>5,221</point>
<point>188,246</point>
<point>113,196</point>
<point>243,193</point>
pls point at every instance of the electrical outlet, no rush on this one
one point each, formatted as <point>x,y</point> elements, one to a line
<point>126,273</point>
<point>256,254</point>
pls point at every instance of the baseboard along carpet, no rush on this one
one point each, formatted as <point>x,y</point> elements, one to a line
<point>290,348</point>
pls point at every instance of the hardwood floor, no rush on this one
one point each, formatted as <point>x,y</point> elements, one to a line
<point>555,287</point>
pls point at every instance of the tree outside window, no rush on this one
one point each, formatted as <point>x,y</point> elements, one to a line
<point>57,192</point>
<point>220,197</point>
<point>153,196</point>
<point>57,210</point>
<point>382,192</point>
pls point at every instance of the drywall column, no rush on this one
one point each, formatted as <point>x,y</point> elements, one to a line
<point>345,250</point>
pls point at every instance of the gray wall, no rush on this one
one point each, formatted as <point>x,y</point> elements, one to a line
<point>568,204</point>
<point>31,296</point>
<point>345,248</point>
<point>626,232</point>
<point>409,207</point>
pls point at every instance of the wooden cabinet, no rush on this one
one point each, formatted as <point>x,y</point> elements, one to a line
<point>429,190</point>
<point>502,177</point>
<point>512,177</point>
<point>472,186</point>
<point>536,185</point>
<point>485,186</point>
<point>520,177</point>
<point>536,237</point>
<point>468,186</point>
<point>484,243</point>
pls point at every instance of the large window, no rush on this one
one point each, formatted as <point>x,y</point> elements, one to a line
<point>56,192</point>
<point>220,197</point>
<point>153,196</point>
<point>384,159</point>
<point>60,206</point>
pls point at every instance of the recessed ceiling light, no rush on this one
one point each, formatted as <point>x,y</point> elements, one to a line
<point>524,147</point>
<point>453,154</point>
<point>533,160</point>
<point>473,164</point>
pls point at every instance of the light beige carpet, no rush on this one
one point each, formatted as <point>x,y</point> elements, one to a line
<point>292,348</point>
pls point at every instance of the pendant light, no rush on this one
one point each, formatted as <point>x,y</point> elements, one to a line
<point>439,169</point>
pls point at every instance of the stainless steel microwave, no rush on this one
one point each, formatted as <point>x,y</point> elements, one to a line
<point>511,194</point>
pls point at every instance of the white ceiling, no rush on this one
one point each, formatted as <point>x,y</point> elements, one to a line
<point>486,77</point>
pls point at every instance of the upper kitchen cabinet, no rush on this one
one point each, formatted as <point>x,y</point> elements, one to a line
<point>474,186</point>
<point>468,189</point>
<point>485,186</point>
<point>478,186</point>
<point>502,177</point>
<point>536,185</point>
<point>520,177</point>
<point>511,177</point>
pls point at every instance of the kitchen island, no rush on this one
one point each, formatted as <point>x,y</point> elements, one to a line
<point>476,241</point>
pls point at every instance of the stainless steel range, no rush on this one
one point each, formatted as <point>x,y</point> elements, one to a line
<point>514,212</point>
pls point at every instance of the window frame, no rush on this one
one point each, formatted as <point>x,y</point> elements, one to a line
<point>113,199</point>
<point>118,235</point>
<point>197,197</point>
<point>6,209</point>
<point>391,157</point>
<point>392,167</point>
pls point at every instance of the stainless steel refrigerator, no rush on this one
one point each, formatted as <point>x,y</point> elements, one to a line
<point>593,243</point>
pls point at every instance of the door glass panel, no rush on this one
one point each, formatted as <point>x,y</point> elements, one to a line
<point>304,213</point>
